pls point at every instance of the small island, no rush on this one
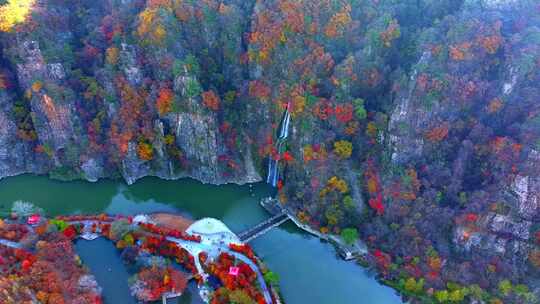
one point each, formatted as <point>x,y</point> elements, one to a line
<point>164,252</point>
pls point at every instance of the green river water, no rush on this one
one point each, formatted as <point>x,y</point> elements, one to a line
<point>310,270</point>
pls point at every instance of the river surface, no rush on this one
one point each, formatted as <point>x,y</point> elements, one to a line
<point>310,270</point>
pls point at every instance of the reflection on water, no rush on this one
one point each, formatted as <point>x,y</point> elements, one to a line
<point>190,296</point>
<point>309,270</point>
<point>104,262</point>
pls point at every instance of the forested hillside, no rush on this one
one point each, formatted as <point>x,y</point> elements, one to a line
<point>415,124</point>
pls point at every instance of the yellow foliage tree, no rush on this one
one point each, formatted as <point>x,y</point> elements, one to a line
<point>343,149</point>
<point>372,185</point>
<point>169,139</point>
<point>308,153</point>
<point>150,26</point>
<point>371,129</point>
<point>36,86</point>
<point>298,105</point>
<point>334,184</point>
<point>159,33</point>
<point>13,13</point>
<point>112,55</point>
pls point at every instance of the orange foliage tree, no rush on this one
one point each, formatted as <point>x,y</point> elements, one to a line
<point>391,33</point>
<point>490,43</point>
<point>374,189</point>
<point>3,82</point>
<point>294,16</point>
<point>159,3</point>
<point>438,133</point>
<point>494,105</point>
<point>158,280</point>
<point>534,258</point>
<point>164,101</point>
<point>211,100</point>
<point>132,118</point>
<point>459,52</point>
<point>338,22</point>
<point>259,89</point>
<point>145,151</point>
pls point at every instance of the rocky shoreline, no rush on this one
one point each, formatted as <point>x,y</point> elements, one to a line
<point>347,252</point>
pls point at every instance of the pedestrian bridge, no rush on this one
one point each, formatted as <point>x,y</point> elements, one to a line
<point>263,227</point>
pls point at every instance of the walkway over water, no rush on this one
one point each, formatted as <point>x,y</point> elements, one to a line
<point>263,227</point>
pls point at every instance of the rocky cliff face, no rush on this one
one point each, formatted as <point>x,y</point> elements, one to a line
<point>16,157</point>
<point>452,104</point>
<point>66,130</point>
<point>415,123</point>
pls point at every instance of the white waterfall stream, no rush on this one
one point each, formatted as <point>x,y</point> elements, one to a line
<point>273,168</point>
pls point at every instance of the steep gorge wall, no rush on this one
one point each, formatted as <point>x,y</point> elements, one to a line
<point>95,133</point>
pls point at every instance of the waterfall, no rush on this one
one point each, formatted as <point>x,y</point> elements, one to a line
<point>273,169</point>
<point>272,172</point>
<point>285,128</point>
<point>269,170</point>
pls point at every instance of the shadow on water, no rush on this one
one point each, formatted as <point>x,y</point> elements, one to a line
<point>57,197</point>
<point>190,296</point>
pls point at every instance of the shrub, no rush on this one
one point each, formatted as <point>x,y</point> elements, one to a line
<point>505,287</point>
<point>349,235</point>
<point>272,278</point>
<point>60,224</point>
<point>359,109</point>
<point>24,209</point>
<point>120,229</point>
<point>193,88</point>
<point>441,296</point>
<point>412,286</point>
<point>348,202</point>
